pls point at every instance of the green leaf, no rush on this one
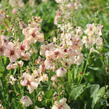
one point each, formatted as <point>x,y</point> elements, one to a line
<point>77,90</point>
<point>97,94</point>
<point>2,68</point>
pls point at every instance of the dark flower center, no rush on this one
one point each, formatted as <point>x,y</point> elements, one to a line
<point>56,53</point>
<point>12,52</point>
<point>60,107</point>
<point>1,49</point>
<point>28,83</point>
<point>33,34</point>
<point>22,47</point>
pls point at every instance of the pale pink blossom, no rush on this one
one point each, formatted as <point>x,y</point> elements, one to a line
<point>26,56</point>
<point>47,47</point>
<point>3,43</point>
<point>39,60</point>
<point>61,104</point>
<point>11,66</point>
<point>26,101</point>
<point>99,42</point>
<point>61,72</point>
<point>44,77</point>
<point>49,64</point>
<point>57,17</point>
<point>54,54</point>
<point>42,67</point>
<point>33,35</point>
<point>54,78</point>
<point>93,30</point>
<point>23,47</point>
<point>76,43</point>
<point>11,52</point>
<point>14,10</point>
<point>3,40</point>
<point>29,81</point>
<point>74,57</point>
<point>20,63</point>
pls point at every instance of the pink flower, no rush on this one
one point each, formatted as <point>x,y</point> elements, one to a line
<point>76,43</point>
<point>25,100</point>
<point>3,43</point>
<point>29,81</point>
<point>11,52</point>
<point>33,35</point>
<point>42,68</point>
<point>61,104</point>
<point>49,64</point>
<point>54,54</point>
<point>57,17</point>
<point>54,78</point>
<point>11,66</point>
<point>14,11</point>
<point>23,47</point>
<point>39,60</point>
<point>2,15</point>
<point>26,56</point>
<point>47,47</point>
<point>3,40</point>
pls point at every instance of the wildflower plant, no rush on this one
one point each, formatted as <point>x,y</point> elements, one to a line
<point>48,60</point>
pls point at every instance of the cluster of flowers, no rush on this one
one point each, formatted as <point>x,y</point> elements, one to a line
<point>61,104</point>
<point>66,49</point>
<point>16,4</point>
<point>59,55</point>
<point>20,3</point>
<point>92,36</point>
<point>65,11</point>
<point>16,50</point>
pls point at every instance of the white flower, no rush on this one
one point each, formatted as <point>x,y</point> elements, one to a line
<point>99,42</point>
<point>61,72</point>
<point>91,28</point>
<point>20,63</point>
<point>12,79</point>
